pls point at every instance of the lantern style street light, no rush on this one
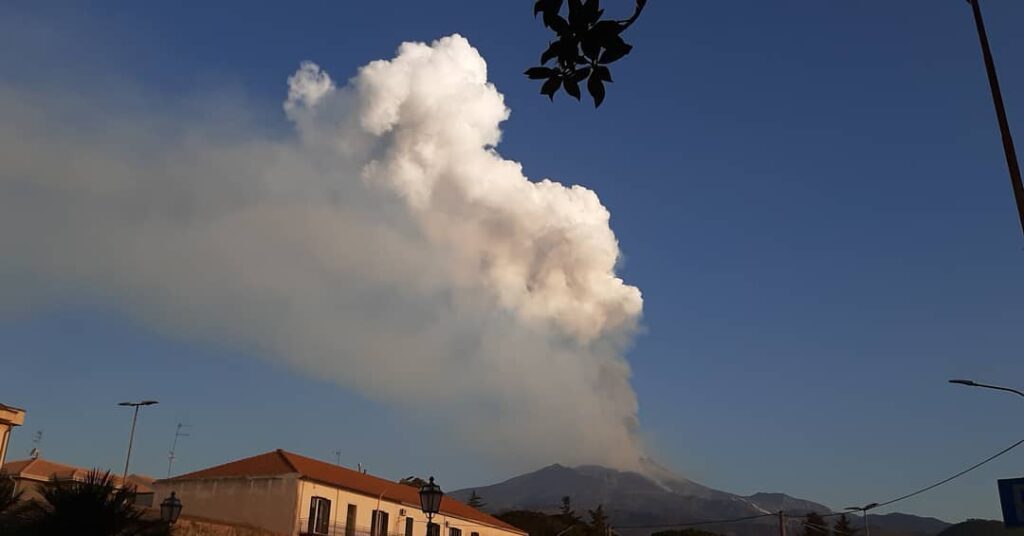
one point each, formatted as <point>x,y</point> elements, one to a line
<point>430,503</point>
<point>170,509</point>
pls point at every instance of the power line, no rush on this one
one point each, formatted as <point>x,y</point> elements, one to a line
<point>833,514</point>
<point>958,475</point>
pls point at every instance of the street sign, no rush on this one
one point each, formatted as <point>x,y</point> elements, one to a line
<point>1011,494</point>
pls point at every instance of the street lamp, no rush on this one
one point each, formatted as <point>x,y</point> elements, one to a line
<point>997,100</point>
<point>170,509</point>
<point>131,436</point>
<point>430,503</point>
<point>864,512</point>
<point>972,383</point>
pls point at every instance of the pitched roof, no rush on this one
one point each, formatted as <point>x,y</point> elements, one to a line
<point>40,469</point>
<point>280,462</point>
<point>142,483</point>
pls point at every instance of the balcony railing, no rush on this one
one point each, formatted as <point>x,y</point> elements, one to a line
<point>339,529</point>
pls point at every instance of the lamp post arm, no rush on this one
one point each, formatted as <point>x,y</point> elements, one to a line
<point>998,388</point>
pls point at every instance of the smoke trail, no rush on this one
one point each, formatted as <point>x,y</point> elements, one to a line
<point>387,247</point>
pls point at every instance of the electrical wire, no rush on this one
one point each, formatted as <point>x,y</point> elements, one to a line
<point>958,475</point>
<point>833,514</point>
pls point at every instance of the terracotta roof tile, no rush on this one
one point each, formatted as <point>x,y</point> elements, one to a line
<point>41,469</point>
<point>280,462</point>
<point>271,463</point>
<point>142,483</point>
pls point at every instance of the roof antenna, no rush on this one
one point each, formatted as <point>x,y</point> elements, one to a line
<point>174,445</point>
<point>37,445</point>
<point>337,457</point>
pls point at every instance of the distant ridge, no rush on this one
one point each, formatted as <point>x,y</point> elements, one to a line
<point>659,496</point>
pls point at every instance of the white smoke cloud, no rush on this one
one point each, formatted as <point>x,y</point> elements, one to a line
<point>387,247</point>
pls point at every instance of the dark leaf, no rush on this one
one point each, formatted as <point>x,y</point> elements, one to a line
<point>583,14</point>
<point>614,49</point>
<point>581,74</point>
<point>577,19</point>
<point>568,52</point>
<point>557,23</point>
<point>551,52</point>
<point>592,11</point>
<point>551,86</point>
<point>591,46</point>
<point>572,88</point>
<point>547,6</point>
<point>602,73</point>
<point>539,73</point>
<point>606,29</point>
<point>596,89</point>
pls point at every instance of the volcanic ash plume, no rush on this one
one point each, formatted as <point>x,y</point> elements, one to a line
<point>387,246</point>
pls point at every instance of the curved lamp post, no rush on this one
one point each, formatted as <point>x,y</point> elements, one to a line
<point>972,383</point>
<point>864,512</point>
<point>131,436</point>
<point>170,509</point>
<point>430,503</point>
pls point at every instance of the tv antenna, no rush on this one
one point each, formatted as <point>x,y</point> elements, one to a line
<point>337,457</point>
<point>178,432</point>
<point>37,445</point>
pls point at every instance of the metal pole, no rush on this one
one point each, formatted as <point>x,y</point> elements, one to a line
<point>867,528</point>
<point>1004,125</point>
<point>782,523</point>
<point>131,439</point>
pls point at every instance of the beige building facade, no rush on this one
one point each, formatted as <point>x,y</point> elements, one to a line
<point>292,495</point>
<point>9,418</point>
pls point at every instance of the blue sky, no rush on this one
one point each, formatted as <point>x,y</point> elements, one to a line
<point>811,196</point>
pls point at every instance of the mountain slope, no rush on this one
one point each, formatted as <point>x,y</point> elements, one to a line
<point>658,497</point>
<point>630,498</point>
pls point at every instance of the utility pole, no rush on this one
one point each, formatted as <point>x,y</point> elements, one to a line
<point>782,523</point>
<point>1004,125</point>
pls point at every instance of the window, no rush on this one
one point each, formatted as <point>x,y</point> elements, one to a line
<point>350,521</point>
<point>408,526</point>
<point>379,523</point>
<point>454,532</point>
<point>474,534</point>
<point>319,515</point>
<point>433,529</point>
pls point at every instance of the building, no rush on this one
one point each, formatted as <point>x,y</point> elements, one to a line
<point>293,495</point>
<point>31,474</point>
<point>9,418</point>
